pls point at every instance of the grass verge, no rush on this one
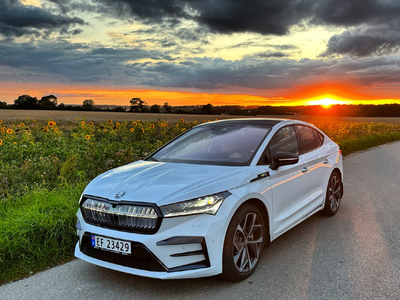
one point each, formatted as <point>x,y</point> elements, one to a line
<point>37,229</point>
<point>369,141</point>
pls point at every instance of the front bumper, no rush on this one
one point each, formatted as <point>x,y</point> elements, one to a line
<point>183,247</point>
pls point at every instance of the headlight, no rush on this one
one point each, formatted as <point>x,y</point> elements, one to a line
<point>203,205</point>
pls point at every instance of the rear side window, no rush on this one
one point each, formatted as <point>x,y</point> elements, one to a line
<point>319,137</point>
<point>307,138</point>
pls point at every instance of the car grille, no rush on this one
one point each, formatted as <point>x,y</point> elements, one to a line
<point>140,257</point>
<point>129,217</point>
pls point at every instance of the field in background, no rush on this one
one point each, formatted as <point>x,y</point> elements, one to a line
<point>98,116</point>
<point>45,164</point>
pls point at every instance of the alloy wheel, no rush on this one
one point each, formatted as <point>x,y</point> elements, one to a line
<point>248,242</point>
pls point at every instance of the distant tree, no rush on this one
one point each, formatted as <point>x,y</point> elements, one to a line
<point>3,105</point>
<point>155,109</point>
<point>88,104</point>
<point>61,106</point>
<point>26,102</point>
<point>119,109</point>
<point>167,107</point>
<point>207,109</point>
<point>138,105</point>
<point>48,102</point>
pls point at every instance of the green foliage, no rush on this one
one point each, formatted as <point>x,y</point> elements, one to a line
<point>351,146</point>
<point>37,230</point>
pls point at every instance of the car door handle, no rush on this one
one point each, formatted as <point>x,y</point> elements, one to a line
<point>326,161</point>
<point>304,170</point>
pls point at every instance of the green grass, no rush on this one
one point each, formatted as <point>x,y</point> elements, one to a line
<point>37,230</point>
<point>366,142</point>
<point>43,172</point>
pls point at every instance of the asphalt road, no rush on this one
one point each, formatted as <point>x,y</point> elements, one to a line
<point>353,255</point>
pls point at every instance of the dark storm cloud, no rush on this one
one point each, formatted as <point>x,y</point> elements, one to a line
<point>222,16</point>
<point>213,74</point>
<point>17,20</point>
<point>366,41</point>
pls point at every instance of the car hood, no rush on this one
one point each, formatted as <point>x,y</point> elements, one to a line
<point>163,183</point>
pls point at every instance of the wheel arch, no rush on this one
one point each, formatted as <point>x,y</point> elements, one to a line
<point>265,214</point>
<point>337,170</point>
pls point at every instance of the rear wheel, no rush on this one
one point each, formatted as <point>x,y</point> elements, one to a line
<point>243,244</point>
<point>334,194</point>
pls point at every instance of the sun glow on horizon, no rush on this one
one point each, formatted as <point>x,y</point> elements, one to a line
<point>325,102</point>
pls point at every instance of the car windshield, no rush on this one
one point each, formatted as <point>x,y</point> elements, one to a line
<point>215,144</point>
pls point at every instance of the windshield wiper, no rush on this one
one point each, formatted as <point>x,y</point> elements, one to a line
<point>152,158</point>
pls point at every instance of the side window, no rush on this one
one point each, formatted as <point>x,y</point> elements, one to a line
<point>319,137</point>
<point>307,138</point>
<point>284,140</point>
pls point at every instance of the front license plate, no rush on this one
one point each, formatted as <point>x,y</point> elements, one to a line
<point>114,245</point>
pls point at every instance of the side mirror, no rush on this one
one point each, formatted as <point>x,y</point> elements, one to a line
<point>282,158</point>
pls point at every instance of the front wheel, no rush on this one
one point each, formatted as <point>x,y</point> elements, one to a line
<point>243,244</point>
<point>334,194</point>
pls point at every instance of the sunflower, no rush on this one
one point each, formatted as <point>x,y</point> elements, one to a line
<point>3,129</point>
<point>17,130</point>
<point>181,120</point>
<point>45,129</point>
<point>142,130</point>
<point>51,124</point>
<point>105,130</point>
<point>1,121</point>
<point>132,129</point>
<point>118,124</point>
<point>77,118</point>
<point>34,121</point>
<point>91,124</point>
<point>1,142</point>
<point>183,129</point>
<point>83,123</point>
<point>15,143</point>
<point>152,126</point>
<point>21,125</point>
<point>163,125</point>
<point>55,129</point>
<point>27,129</point>
<point>109,121</point>
<point>134,124</point>
<point>9,131</point>
<point>87,137</point>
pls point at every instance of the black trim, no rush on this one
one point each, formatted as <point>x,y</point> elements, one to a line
<point>194,266</point>
<point>140,258</point>
<point>115,224</point>
<point>191,253</point>
<point>180,240</point>
<point>260,176</point>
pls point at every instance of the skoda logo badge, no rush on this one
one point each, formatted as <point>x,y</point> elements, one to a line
<point>120,194</point>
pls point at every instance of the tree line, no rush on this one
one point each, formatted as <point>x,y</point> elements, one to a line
<point>138,105</point>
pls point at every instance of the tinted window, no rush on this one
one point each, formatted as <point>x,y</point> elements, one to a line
<point>307,138</point>
<point>284,140</point>
<point>218,144</point>
<point>319,137</point>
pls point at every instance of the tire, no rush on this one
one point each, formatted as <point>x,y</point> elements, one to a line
<point>244,242</point>
<point>334,193</point>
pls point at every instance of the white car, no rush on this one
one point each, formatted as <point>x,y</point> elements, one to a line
<point>209,201</point>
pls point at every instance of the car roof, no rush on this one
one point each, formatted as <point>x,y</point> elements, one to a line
<point>246,121</point>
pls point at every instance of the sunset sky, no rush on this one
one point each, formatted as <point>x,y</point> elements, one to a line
<point>192,52</point>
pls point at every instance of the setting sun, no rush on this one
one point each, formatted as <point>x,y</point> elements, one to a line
<point>325,102</point>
